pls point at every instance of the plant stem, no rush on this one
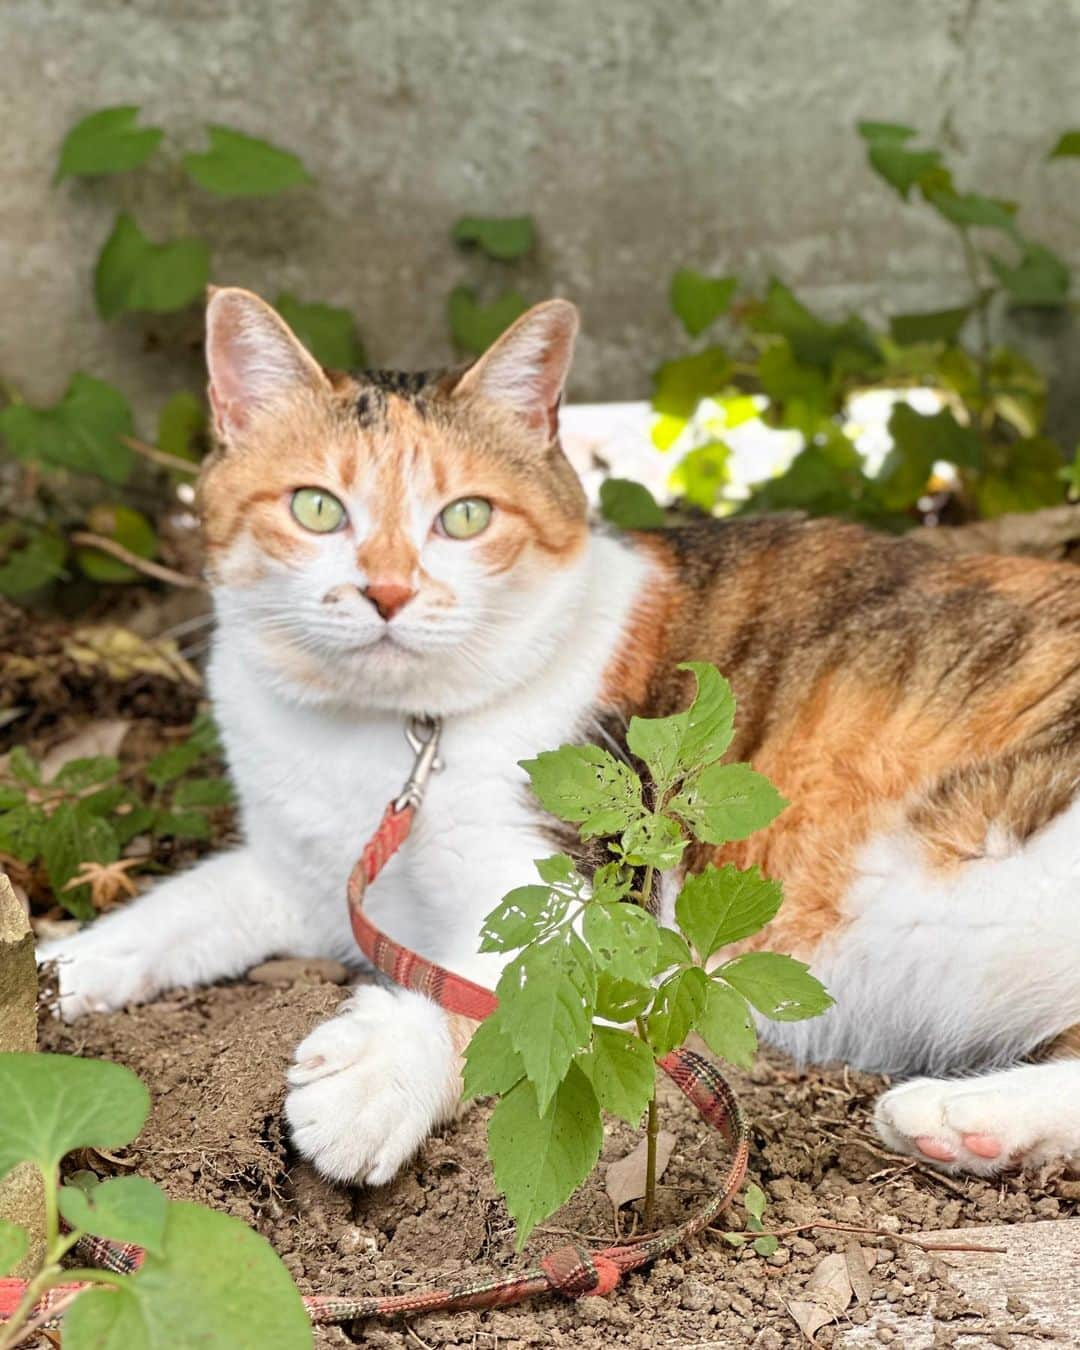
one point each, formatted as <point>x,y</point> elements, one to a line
<point>980,302</point>
<point>652,1130</point>
<point>87,539</point>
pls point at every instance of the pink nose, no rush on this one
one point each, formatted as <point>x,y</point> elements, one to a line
<point>389,597</point>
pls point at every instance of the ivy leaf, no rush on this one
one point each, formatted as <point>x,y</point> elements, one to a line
<point>78,774</point>
<point>329,333</point>
<point>889,156</point>
<point>244,166</point>
<point>1028,480</point>
<point>134,274</point>
<point>1068,144</point>
<point>653,841</point>
<point>630,505</point>
<point>586,785</point>
<point>541,1155</point>
<point>108,141</point>
<point>520,916</point>
<point>54,1104</point>
<point>182,426</point>
<point>699,300</point>
<point>778,986</point>
<point>679,1004</point>
<point>124,1209</point>
<point>726,1026</point>
<point>129,528</point>
<point>1040,278</point>
<point>940,325</point>
<point>720,905</point>
<point>492,1065</point>
<point>203,792</point>
<point>215,1283</point>
<point>699,735</point>
<point>970,208</point>
<point>623,939</point>
<point>621,1000</point>
<point>84,431</point>
<point>621,1069</point>
<point>71,837</point>
<point>725,802</point>
<point>33,564</point>
<point>474,327</point>
<point>679,386</point>
<point>14,1244</point>
<point>501,237</point>
<point>548,994</point>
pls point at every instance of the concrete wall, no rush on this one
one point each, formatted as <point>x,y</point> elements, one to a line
<point>641,135</point>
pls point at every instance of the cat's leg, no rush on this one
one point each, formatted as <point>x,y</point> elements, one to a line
<point>212,922</point>
<point>1022,1116</point>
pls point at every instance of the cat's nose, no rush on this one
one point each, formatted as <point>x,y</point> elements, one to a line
<point>389,597</point>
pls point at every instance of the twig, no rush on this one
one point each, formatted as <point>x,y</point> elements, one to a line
<point>162,457</point>
<point>143,565</point>
<point>423,1344</point>
<point>874,1232</point>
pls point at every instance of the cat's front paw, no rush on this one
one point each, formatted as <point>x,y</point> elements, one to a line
<point>98,971</point>
<point>367,1087</point>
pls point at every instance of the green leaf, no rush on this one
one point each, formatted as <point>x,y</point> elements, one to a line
<point>622,1072</point>
<point>613,881</point>
<point>501,237</point>
<point>547,996</point>
<point>919,442</point>
<point>653,841</point>
<point>702,474</point>
<point>700,735</point>
<point>726,802</point>
<point>83,431</point>
<point>11,797</point>
<point>78,774</point>
<point>217,1285</point>
<point>802,391</point>
<point>182,426</point>
<point>203,792</point>
<point>134,274</point>
<point>1029,479</point>
<point>329,333</point>
<point>726,1026</point>
<point>124,1209</point>
<point>623,939</point>
<point>666,430</point>
<point>558,870</point>
<point>244,166</point>
<point>767,1244</point>
<point>34,564</point>
<point>1068,144</point>
<point>139,820</point>
<point>127,527</point>
<point>191,824</point>
<point>71,837</point>
<point>699,300</point>
<point>679,386</point>
<point>1040,278</point>
<point>902,168</point>
<point>23,766</point>
<point>621,1000</point>
<point>940,325</point>
<point>680,1001</point>
<point>672,951</point>
<point>630,505</point>
<point>53,1104</point>
<point>172,763</point>
<point>20,832</point>
<point>474,327</point>
<point>755,1202</point>
<point>885,131</point>
<point>14,1244</point>
<point>541,1156</point>
<point>108,141</point>
<point>586,785</point>
<point>813,343</point>
<point>778,986</point>
<point>720,905</point>
<point>520,916</point>
<point>969,208</point>
<point>492,1065</point>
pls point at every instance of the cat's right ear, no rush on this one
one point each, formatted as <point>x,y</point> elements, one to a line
<point>254,359</point>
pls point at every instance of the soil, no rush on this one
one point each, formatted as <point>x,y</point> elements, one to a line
<point>215,1061</point>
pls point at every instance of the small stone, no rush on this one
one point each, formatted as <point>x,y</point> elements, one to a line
<point>695,1297</point>
<point>886,1335</point>
<point>299,970</point>
<point>780,1257</point>
<point>1016,1306</point>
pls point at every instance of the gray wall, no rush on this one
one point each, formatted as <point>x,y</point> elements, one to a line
<point>641,135</point>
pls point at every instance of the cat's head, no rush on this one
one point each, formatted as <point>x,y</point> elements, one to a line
<point>406,542</point>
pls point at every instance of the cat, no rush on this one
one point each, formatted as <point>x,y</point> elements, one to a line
<point>385,545</point>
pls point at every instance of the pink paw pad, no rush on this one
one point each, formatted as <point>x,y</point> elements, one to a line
<point>937,1149</point>
<point>983,1145</point>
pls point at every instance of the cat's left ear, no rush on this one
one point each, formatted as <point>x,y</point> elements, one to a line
<point>525,369</point>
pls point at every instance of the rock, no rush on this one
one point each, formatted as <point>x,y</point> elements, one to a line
<point>299,970</point>
<point>696,1296</point>
<point>22,1198</point>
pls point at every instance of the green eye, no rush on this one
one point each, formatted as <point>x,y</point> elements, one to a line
<point>316,510</point>
<point>465,518</point>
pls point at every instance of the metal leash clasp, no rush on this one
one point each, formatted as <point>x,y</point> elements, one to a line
<point>423,734</point>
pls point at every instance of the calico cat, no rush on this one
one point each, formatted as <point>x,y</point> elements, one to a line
<point>385,545</point>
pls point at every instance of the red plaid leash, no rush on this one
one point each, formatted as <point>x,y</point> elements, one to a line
<point>571,1270</point>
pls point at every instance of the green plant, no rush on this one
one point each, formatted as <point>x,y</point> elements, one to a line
<point>474,323</point>
<point>594,961</point>
<point>206,1278</point>
<point>77,826</point>
<point>800,372</point>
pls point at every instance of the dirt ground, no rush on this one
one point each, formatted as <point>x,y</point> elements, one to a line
<point>215,1061</point>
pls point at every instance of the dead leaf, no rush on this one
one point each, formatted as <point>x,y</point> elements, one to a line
<point>123,654</point>
<point>102,737</point>
<point>858,1271</point>
<point>824,1297</point>
<point>625,1180</point>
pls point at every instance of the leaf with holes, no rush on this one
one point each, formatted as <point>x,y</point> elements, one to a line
<point>778,986</point>
<point>698,300</point>
<point>328,332</point>
<point>108,141</point>
<point>123,1209</point>
<point>84,431</point>
<point>621,1070</point>
<point>720,905</point>
<point>501,237</point>
<point>520,916</point>
<point>244,166</point>
<point>699,735</point>
<point>726,802</point>
<point>623,939</point>
<point>726,1026</point>
<point>680,1001</point>
<point>586,785</point>
<point>653,841</point>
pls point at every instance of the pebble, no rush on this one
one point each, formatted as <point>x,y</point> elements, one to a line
<point>695,1297</point>
<point>886,1335</point>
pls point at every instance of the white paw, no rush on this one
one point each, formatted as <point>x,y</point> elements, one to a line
<point>1021,1117</point>
<point>97,971</point>
<point>368,1086</point>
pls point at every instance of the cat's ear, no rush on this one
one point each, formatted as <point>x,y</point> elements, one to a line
<point>254,359</point>
<point>525,369</point>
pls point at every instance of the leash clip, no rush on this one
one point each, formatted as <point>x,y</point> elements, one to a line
<point>423,734</point>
